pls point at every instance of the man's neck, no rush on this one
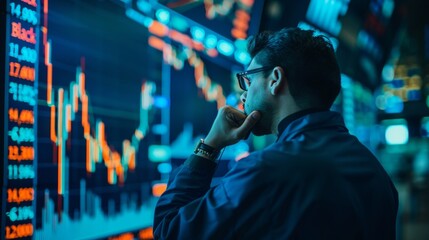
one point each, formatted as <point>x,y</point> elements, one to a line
<point>282,114</point>
<point>284,123</point>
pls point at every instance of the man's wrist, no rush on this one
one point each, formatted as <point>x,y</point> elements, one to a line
<point>212,143</point>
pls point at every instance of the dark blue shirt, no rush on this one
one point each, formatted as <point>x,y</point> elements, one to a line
<point>316,182</point>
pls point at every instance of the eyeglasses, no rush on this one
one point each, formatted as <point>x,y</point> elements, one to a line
<point>244,81</point>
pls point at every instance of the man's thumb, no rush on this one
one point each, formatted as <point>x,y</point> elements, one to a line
<point>248,123</point>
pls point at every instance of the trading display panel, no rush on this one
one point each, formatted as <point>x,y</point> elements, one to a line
<point>97,98</point>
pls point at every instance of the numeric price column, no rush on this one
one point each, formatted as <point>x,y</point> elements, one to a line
<point>23,17</point>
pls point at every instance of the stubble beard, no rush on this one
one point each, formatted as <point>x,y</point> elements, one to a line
<point>263,126</point>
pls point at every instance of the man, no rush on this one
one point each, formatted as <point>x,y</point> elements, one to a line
<point>315,182</point>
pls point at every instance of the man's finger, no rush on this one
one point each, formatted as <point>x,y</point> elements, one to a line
<point>248,124</point>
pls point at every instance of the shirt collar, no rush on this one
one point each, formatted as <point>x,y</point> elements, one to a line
<point>294,116</point>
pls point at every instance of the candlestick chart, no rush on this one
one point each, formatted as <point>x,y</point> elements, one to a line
<point>98,122</point>
<point>94,102</point>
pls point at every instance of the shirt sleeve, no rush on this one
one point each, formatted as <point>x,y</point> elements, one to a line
<point>191,209</point>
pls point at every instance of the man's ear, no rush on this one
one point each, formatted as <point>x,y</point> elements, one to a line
<point>277,80</point>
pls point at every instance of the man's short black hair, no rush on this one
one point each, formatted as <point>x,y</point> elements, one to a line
<point>309,62</point>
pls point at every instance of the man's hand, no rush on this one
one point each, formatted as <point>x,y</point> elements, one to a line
<point>230,126</point>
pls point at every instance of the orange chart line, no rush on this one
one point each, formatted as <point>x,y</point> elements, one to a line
<point>211,90</point>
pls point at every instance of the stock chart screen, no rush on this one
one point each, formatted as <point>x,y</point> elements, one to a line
<point>99,98</point>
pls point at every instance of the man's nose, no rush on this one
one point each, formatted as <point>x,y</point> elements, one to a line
<point>243,96</point>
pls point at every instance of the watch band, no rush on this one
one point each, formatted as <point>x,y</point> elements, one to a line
<point>206,150</point>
